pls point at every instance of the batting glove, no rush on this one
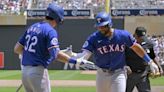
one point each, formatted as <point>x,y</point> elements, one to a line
<point>153,67</point>
<point>154,75</point>
<point>69,51</point>
<point>85,64</point>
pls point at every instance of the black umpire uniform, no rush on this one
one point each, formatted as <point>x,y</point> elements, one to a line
<point>139,76</point>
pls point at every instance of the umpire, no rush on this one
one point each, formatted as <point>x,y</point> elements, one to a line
<point>140,70</point>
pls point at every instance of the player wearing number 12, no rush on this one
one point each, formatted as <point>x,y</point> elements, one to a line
<point>39,47</point>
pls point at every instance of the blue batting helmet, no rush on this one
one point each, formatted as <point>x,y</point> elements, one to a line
<point>103,19</point>
<point>55,12</point>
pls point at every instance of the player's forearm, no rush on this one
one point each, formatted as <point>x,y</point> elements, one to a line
<point>138,50</point>
<point>63,57</point>
<point>74,60</point>
<point>18,49</point>
<point>85,54</point>
<point>141,52</point>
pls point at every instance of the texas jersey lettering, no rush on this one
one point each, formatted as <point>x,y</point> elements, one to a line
<point>108,51</point>
<point>111,48</point>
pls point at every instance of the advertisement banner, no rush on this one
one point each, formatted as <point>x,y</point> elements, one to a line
<point>67,13</point>
<point>137,12</point>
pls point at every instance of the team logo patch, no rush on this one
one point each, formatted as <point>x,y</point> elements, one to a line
<point>54,41</point>
<point>85,44</point>
<point>98,20</point>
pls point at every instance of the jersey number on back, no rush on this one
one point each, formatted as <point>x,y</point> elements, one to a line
<point>31,42</point>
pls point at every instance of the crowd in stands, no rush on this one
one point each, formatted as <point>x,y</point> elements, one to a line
<point>9,7</point>
<point>137,4</point>
<point>17,6</point>
<point>159,47</point>
<point>94,5</point>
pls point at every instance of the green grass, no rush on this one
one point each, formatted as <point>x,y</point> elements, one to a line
<point>53,74</point>
<point>8,89</point>
<point>54,89</point>
<point>70,75</point>
<point>157,81</point>
<point>10,74</point>
<point>64,75</point>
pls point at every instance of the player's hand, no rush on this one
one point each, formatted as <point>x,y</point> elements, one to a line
<point>128,70</point>
<point>69,51</point>
<point>85,64</point>
<point>158,74</point>
<point>154,68</point>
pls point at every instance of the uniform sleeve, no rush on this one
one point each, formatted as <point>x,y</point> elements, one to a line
<point>52,39</point>
<point>152,54</point>
<point>88,45</point>
<point>22,39</point>
<point>129,39</point>
<point>52,44</point>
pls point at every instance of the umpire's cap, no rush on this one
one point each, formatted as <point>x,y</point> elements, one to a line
<point>103,19</point>
<point>140,31</point>
<point>55,12</point>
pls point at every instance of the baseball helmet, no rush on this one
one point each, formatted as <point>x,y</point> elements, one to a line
<point>55,12</point>
<point>103,19</point>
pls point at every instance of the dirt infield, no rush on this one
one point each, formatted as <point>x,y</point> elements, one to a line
<point>74,83</point>
<point>71,83</point>
<point>154,88</point>
<point>88,72</point>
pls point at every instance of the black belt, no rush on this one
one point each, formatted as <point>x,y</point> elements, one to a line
<point>35,65</point>
<point>31,65</point>
<point>110,70</point>
<point>137,71</point>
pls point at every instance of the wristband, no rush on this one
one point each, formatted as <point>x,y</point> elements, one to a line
<point>146,58</point>
<point>73,61</point>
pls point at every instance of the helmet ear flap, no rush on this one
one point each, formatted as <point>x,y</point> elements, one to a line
<point>110,25</point>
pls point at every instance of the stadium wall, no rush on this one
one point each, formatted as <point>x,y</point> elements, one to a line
<point>73,32</point>
<point>12,20</point>
<point>153,24</point>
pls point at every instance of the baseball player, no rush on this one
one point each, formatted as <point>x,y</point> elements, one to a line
<point>39,47</point>
<point>107,45</point>
<point>140,70</point>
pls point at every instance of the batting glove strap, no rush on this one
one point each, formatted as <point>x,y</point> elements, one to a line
<point>73,61</point>
<point>146,58</point>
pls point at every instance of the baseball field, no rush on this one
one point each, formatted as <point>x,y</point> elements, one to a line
<point>64,81</point>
